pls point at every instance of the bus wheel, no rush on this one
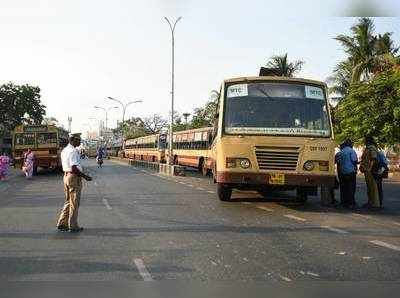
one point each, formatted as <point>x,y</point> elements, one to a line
<point>224,192</point>
<point>301,195</point>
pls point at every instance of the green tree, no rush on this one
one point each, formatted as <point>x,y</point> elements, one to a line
<point>365,51</point>
<point>283,67</point>
<point>20,104</point>
<point>372,107</point>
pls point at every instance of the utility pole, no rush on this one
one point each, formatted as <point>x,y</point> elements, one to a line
<point>170,143</point>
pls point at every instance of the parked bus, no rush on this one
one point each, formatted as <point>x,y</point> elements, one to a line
<point>46,142</point>
<point>192,148</point>
<point>273,133</point>
<point>150,148</point>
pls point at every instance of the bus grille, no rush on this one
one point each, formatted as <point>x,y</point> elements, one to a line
<point>277,158</point>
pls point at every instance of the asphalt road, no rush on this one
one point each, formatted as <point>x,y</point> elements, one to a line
<point>143,226</point>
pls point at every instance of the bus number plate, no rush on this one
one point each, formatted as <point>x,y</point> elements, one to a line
<point>277,179</point>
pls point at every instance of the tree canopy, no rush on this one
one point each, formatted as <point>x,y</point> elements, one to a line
<point>373,108</point>
<point>20,104</point>
<point>283,67</point>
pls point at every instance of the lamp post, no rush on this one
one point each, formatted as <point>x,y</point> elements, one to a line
<point>106,111</point>
<point>170,143</point>
<point>124,106</point>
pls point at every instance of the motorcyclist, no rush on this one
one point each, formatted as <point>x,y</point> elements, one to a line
<point>99,157</point>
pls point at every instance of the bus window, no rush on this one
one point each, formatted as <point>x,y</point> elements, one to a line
<point>47,138</point>
<point>24,139</point>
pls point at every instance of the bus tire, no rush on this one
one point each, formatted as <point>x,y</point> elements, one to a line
<point>301,195</point>
<point>224,192</point>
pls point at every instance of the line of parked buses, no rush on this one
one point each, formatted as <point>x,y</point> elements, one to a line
<point>269,133</point>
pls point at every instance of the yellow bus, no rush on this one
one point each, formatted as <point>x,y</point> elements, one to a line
<point>192,148</point>
<point>149,148</point>
<point>273,133</point>
<point>46,142</point>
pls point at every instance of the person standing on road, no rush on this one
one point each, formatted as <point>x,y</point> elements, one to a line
<point>383,170</point>
<point>348,169</point>
<point>339,174</point>
<point>369,166</point>
<point>29,163</point>
<point>4,165</point>
<point>71,164</point>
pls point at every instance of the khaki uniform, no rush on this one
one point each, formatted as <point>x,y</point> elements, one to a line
<point>68,218</point>
<point>72,190</point>
<point>369,155</point>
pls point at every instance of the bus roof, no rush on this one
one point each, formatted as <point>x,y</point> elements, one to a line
<point>275,78</point>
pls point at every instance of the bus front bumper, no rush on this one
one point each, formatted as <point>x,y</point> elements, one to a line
<point>284,179</point>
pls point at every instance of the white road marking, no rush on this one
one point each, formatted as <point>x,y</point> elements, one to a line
<point>335,230</point>
<point>210,191</point>
<point>246,203</point>
<point>265,209</point>
<point>312,274</point>
<point>361,215</point>
<point>396,223</point>
<point>180,182</point>
<point>190,185</point>
<point>143,270</point>
<point>105,202</point>
<point>295,217</point>
<point>384,244</point>
<point>200,188</point>
<point>285,278</point>
<point>95,183</point>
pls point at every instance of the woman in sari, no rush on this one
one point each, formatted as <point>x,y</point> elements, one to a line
<point>4,164</point>
<point>29,160</point>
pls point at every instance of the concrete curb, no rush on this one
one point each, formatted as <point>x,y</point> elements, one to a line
<point>164,169</point>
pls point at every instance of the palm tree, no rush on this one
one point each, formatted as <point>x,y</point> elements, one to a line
<point>283,67</point>
<point>340,81</point>
<point>365,50</point>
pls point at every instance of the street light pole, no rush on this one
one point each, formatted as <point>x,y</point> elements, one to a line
<point>170,143</point>
<point>124,106</point>
<point>106,111</point>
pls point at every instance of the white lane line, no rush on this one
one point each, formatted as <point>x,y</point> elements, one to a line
<point>200,188</point>
<point>143,270</point>
<point>361,215</point>
<point>312,274</point>
<point>285,278</point>
<point>387,245</point>
<point>246,203</point>
<point>190,185</point>
<point>396,223</point>
<point>210,191</point>
<point>105,202</point>
<point>265,209</point>
<point>95,183</point>
<point>180,182</point>
<point>295,217</point>
<point>335,230</point>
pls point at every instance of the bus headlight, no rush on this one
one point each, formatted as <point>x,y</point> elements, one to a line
<point>233,162</point>
<point>308,165</point>
<point>245,163</point>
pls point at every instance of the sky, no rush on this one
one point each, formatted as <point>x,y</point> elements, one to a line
<point>80,52</point>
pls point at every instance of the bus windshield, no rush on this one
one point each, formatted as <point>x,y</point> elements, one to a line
<point>276,109</point>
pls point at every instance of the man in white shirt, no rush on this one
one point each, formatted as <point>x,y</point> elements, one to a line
<point>71,164</point>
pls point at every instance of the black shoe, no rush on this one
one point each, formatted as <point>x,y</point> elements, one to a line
<point>62,228</point>
<point>76,230</point>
